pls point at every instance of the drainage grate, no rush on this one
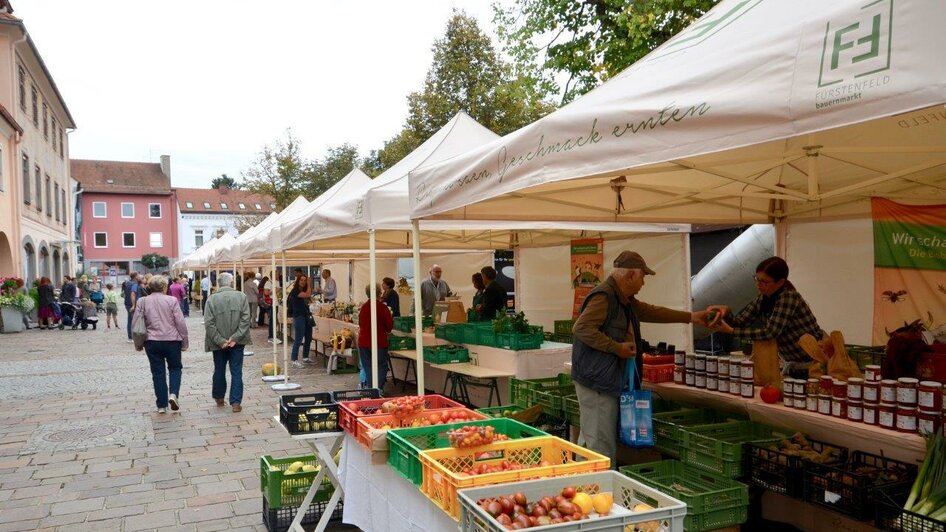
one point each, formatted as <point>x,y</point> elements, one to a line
<point>78,435</point>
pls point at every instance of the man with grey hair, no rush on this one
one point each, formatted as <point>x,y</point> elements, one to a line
<point>606,334</point>
<point>433,289</point>
<point>227,324</point>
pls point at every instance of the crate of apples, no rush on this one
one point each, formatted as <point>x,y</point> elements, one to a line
<point>515,511</point>
<point>474,436</point>
<point>402,407</point>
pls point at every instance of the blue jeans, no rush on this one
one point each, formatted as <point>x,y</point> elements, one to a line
<point>364,355</point>
<point>161,353</point>
<point>185,307</point>
<point>234,357</point>
<point>131,315</point>
<point>301,335</point>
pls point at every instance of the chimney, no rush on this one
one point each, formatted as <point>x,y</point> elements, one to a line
<point>166,165</point>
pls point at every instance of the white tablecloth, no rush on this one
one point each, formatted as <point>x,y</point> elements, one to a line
<point>378,499</point>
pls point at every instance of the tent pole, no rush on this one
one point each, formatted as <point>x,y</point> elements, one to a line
<point>418,308</point>
<point>276,376</point>
<point>372,298</point>
<point>285,320</point>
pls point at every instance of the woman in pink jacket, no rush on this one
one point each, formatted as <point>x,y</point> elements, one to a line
<point>167,338</point>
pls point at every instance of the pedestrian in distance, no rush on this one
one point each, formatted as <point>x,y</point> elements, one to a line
<point>227,327</point>
<point>111,306</point>
<point>47,301</point>
<point>166,340</point>
<point>298,306</point>
<point>204,291</point>
<point>177,291</point>
<point>390,296</point>
<point>251,291</point>
<point>132,293</point>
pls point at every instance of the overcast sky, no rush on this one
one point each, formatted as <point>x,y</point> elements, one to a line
<point>210,82</point>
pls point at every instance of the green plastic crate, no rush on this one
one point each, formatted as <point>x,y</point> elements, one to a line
<point>406,323</point>
<point>718,448</point>
<point>864,355</point>
<point>552,399</point>
<point>520,341</point>
<point>446,354</point>
<point>401,342</point>
<point>404,444</point>
<point>572,410</point>
<point>288,489</point>
<point>669,427</point>
<point>476,332</point>
<point>562,338</point>
<point>550,425</point>
<point>563,326</point>
<point>519,389</point>
<point>712,501</point>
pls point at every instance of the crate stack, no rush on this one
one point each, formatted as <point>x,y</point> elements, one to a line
<point>284,489</point>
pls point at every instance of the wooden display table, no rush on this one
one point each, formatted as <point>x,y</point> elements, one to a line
<point>460,376</point>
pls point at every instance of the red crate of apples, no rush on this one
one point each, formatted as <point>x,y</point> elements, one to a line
<point>371,430</point>
<point>400,407</point>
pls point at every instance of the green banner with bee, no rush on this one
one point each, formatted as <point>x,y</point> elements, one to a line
<point>909,266</point>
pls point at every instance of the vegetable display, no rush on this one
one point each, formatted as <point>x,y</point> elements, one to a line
<point>928,495</point>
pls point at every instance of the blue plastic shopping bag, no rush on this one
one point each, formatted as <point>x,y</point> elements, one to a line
<point>636,423</point>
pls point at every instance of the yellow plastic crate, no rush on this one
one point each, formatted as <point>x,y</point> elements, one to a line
<point>443,468</point>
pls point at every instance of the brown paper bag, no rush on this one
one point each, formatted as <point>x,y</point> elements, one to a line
<point>814,350</point>
<point>765,362</point>
<point>840,365</point>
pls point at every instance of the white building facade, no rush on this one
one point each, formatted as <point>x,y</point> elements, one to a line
<point>202,213</point>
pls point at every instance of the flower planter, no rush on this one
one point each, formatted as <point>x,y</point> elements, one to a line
<point>12,320</point>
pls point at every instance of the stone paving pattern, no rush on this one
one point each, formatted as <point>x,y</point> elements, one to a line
<point>198,470</point>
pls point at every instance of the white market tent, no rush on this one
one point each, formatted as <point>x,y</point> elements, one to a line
<point>760,112</point>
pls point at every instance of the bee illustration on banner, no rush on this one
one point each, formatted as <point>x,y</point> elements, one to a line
<point>894,297</point>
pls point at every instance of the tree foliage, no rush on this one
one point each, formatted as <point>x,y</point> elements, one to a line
<point>336,164</point>
<point>224,181</point>
<point>278,171</point>
<point>153,261</point>
<point>243,222</point>
<point>588,41</point>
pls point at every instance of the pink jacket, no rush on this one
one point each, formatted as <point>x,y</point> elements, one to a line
<point>177,291</point>
<point>163,318</point>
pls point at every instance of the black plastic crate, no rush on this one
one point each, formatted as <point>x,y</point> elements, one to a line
<point>850,488</point>
<point>356,395</point>
<point>778,471</point>
<point>309,412</point>
<point>892,516</point>
<point>279,519</point>
<point>552,426</point>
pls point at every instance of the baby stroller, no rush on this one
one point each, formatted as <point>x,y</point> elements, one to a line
<point>74,316</point>
<point>98,298</point>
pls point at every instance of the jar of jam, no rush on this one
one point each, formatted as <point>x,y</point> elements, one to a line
<point>827,384</point>
<point>886,415</point>
<point>735,366</point>
<point>680,358</point>
<point>712,364</point>
<point>700,362</point>
<point>690,361</point>
<point>723,384</point>
<point>679,374</point>
<point>689,377</point>
<point>907,388</point>
<point>872,373</point>
<point>746,389</point>
<point>855,386</point>
<point>870,414</point>
<point>824,404</point>
<point>855,411</point>
<point>722,366</point>
<point>927,422</point>
<point>811,403</point>
<point>712,382</point>
<point>788,399</point>
<point>839,389</point>
<point>839,407</point>
<point>799,402</point>
<point>929,396</point>
<point>735,386</point>
<point>747,370</point>
<point>906,419</point>
<point>871,392</point>
<point>888,391</point>
<point>700,380</point>
<point>813,388</point>
<point>800,387</point>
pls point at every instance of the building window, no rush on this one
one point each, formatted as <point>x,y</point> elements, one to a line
<point>35,99</point>
<point>65,217</point>
<point>259,207</point>
<point>39,188</point>
<point>242,205</point>
<point>53,128</point>
<point>128,240</point>
<point>189,205</point>
<point>45,121</point>
<point>198,237</point>
<point>206,204</point>
<point>223,205</point>
<point>98,209</point>
<point>101,240</point>
<point>27,194</point>
<point>58,203</point>
<point>1,169</point>
<point>154,210</point>
<point>156,240</point>
<point>49,199</point>
<point>128,210</point>
<point>62,145</point>
<point>21,77</point>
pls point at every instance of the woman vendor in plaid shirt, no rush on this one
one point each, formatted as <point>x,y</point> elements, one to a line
<point>778,313</point>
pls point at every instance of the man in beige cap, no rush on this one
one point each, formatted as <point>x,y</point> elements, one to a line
<point>607,334</point>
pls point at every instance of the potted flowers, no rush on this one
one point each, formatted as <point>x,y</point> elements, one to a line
<point>14,304</point>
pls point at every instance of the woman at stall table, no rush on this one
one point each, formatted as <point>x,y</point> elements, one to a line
<point>480,286</point>
<point>390,297</point>
<point>385,326</point>
<point>778,313</point>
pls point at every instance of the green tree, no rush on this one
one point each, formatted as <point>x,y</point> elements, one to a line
<point>279,171</point>
<point>224,181</point>
<point>588,41</point>
<point>153,261</point>
<point>336,164</point>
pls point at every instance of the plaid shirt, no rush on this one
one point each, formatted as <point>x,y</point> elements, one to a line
<point>790,319</point>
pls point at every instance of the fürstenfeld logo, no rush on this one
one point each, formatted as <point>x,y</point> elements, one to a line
<point>704,29</point>
<point>858,45</point>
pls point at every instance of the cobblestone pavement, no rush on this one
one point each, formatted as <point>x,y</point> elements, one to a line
<point>83,448</point>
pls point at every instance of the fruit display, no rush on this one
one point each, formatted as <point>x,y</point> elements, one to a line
<point>402,407</point>
<point>268,369</point>
<point>473,436</point>
<point>316,423</point>
<point>313,412</point>
<point>799,446</point>
<point>385,422</point>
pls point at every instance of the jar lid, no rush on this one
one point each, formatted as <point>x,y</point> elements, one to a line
<point>839,382</point>
<point>839,399</point>
<point>813,381</point>
<point>930,384</point>
<point>825,395</point>
<point>908,380</point>
<point>906,408</point>
<point>872,366</point>
<point>888,405</point>
<point>929,412</point>
<point>700,356</point>
<point>872,384</point>
<point>855,380</point>
<point>889,382</point>
<point>746,362</point>
<point>855,402</point>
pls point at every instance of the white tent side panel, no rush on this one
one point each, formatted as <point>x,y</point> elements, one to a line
<point>832,265</point>
<point>385,268</point>
<point>547,293</point>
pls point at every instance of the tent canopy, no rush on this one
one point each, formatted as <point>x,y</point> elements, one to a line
<point>758,111</point>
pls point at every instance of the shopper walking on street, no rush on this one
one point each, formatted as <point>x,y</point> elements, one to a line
<point>298,306</point>
<point>608,337</point>
<point>176,290</point>
<point>251,292</point>
<point>68,293</point>
<point>204,291</point>
<point>227,325</point>
<point>47,300</point>
<point>167,338</point>
<point>132,292</point>
<point>111,306</point>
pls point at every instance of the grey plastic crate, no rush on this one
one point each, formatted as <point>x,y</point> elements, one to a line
<point>669,512</point>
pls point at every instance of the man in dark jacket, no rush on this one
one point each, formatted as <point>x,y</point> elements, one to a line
<point>494,297</point>
<point>607,334</point>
